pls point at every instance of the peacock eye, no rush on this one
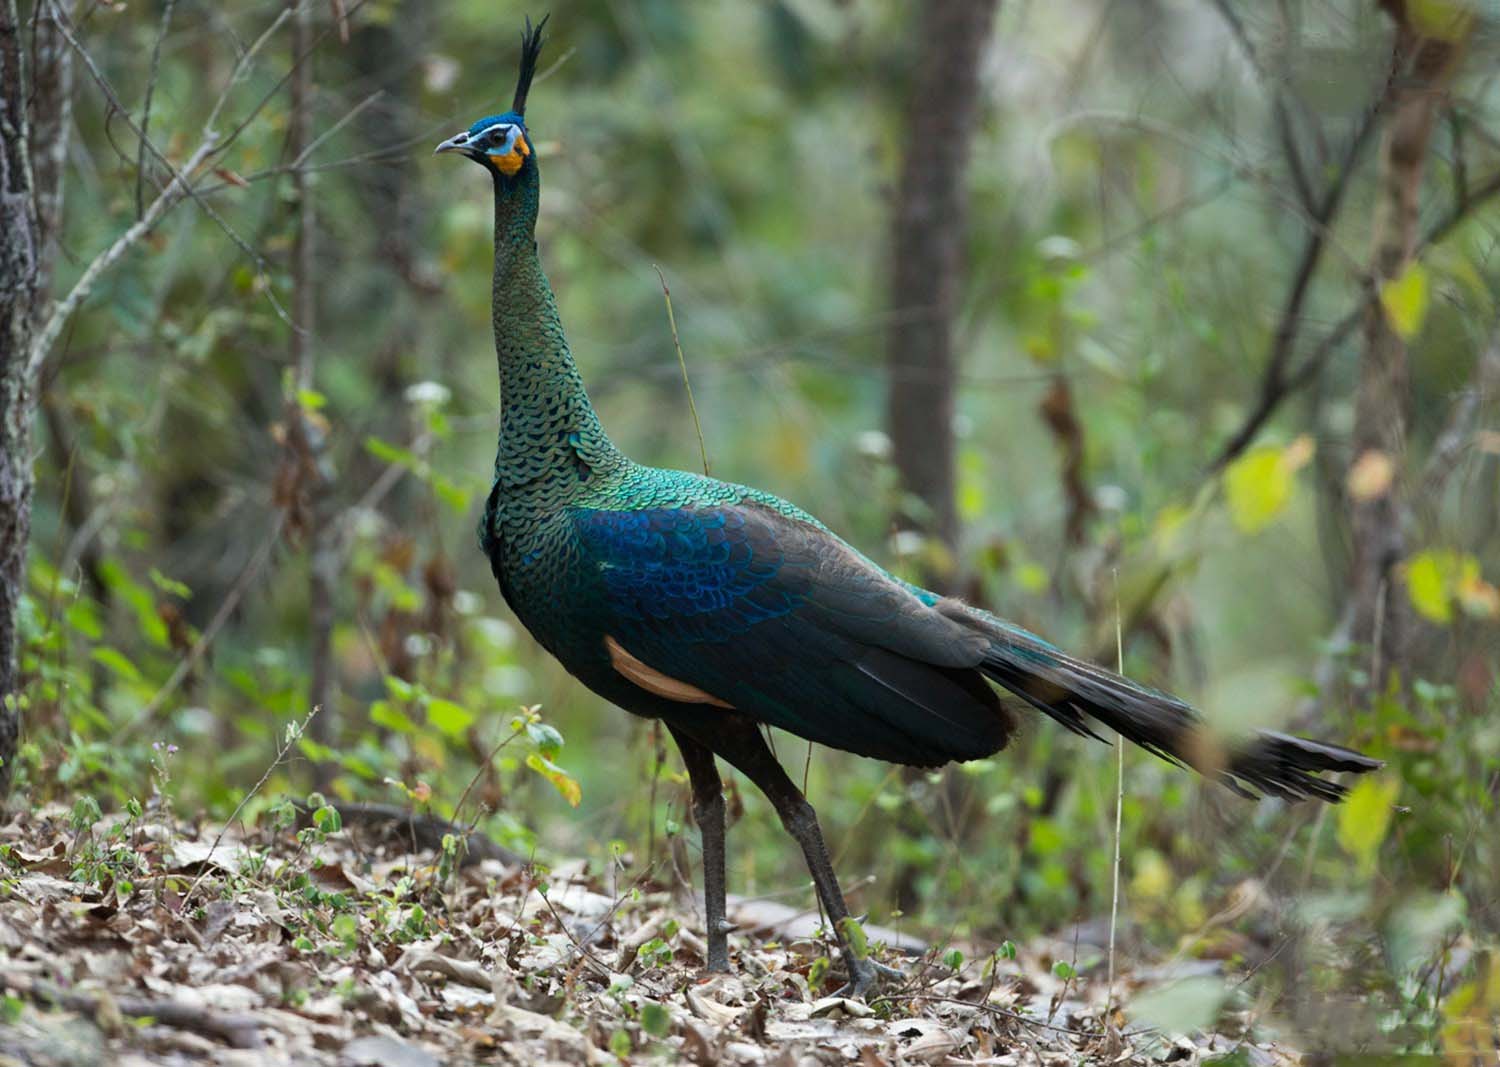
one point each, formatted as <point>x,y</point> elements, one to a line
<point>497,135</point>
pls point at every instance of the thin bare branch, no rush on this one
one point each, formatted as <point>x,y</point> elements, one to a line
<point>1313,363</point>
<point>209,135</point>
<point>1275,381</point>
<point>236,1029</point>
<point>178,189</point>
<point>140,156</point>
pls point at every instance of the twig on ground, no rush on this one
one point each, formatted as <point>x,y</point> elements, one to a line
<point>233,1028</point>
<point>424,831</point>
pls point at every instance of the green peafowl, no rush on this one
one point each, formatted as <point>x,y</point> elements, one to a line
<point>718,608</point>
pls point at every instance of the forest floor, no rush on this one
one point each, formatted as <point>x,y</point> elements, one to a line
<point>141,940</point>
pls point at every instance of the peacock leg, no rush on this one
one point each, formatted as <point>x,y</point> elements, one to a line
<point>708,812</point>
<point>745,748</point>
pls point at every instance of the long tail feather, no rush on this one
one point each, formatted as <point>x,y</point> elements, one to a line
<point>1075,692</point>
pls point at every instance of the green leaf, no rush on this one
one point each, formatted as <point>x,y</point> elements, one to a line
<point>310,399</point>
<point>169,585</point>
<point>11,1009</point>
<point>561,780</point>
<point>328,819</point>
<point>854,933</point>
<point>390,453</point>
<point>316,751</point>
<point>817,973</point>
<point>453,719</point>
<point>1438,577</point>
<point>346,928</point>
<point>1405,301</point>
<point>656,1020</point>
<point>400,689</point>
<point>546,738</point>
<point>1258,485</point>
<point>384,713</point>
<point>141,602</point>
<point>1365,818</point>
<point>1181,1007</point>
<point>1427,583</point>
<point>117,662</point>
<point>451,493</point>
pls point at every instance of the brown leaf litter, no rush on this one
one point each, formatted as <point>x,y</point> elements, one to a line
<point>264,949</point>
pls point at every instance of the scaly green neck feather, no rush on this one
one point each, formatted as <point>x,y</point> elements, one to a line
<point>549,432</point>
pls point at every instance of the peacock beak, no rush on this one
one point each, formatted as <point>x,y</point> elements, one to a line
<point>457,143</point>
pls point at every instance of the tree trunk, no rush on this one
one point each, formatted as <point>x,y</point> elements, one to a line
<point>926,266</point>
<point>1379,611</point>
<point>33,131</point>
<point>927,245</point>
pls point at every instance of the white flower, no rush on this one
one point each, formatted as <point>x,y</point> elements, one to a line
<point>428,394</point>
<point>873,443</point>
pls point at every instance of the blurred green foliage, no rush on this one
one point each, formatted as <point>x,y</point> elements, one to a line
<point>1130,234</point>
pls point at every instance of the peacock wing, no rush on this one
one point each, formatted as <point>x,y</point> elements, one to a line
<point>741,606</point>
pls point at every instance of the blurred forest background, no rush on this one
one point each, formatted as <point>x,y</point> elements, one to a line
<point>1171,317</point>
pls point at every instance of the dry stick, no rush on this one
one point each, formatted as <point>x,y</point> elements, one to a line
<point>1279,87</point>
<point>1274,381</point>
<point>114,101</point>
<point>140,150</point>
<point>423,830</point>
<point>682,362</point>
<point>1308,370</point>
<point>233,1028</point>
<point>1114,902</point>
<point>206,638</point>
<point>1006,1013</point>
<point>178,189</point>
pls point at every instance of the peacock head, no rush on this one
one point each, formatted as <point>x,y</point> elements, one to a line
<point>500,142</point>
<point>497,141</point>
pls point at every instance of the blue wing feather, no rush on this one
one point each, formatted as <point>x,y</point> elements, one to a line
<point>788,624</point>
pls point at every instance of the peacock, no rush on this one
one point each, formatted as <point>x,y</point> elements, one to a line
<point>719,609</point>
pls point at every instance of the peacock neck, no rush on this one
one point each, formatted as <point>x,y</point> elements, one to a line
<point>549,432</point>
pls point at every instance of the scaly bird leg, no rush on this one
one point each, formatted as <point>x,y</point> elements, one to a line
<point>746,749</point>
<point>708,812</point>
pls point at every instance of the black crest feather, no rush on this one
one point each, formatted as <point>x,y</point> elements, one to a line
<point>531,48</point>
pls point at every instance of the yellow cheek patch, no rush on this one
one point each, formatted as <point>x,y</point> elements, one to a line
<point>511,162</point>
